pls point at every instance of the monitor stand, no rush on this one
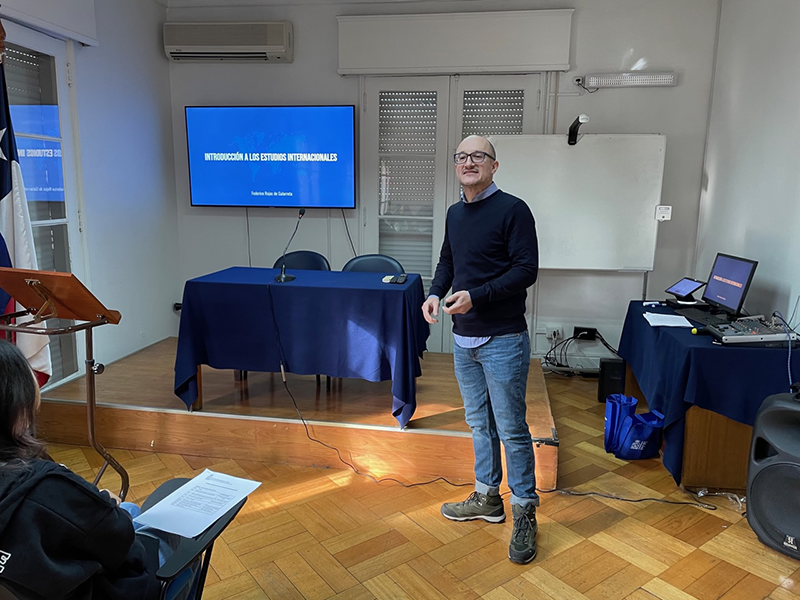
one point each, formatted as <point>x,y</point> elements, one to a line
<point>686,301</point>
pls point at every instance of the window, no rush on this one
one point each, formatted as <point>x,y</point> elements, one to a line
<point>407,177</point>
<point>33,96</point>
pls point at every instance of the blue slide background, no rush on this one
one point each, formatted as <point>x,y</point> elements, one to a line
<point>43,176</point>
<point>272,129</point>
<point>724,293</point>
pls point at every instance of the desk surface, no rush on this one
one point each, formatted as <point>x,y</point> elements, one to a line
<point>677,370</point>
<point>342,324</point>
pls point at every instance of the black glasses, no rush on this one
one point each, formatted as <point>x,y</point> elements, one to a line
<point>460,158</point>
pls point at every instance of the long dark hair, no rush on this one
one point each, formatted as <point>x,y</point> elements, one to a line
<point>18,393</point>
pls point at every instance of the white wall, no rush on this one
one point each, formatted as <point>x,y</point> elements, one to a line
<point>123,107</point>
<point>751,197</point>
<point>618,36</point>
<point>215,238</point>
<point>613,35</point>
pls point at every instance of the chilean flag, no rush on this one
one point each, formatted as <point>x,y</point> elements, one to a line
<point>16,235</point>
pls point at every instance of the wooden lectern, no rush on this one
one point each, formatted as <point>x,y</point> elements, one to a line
<point>50,295</point>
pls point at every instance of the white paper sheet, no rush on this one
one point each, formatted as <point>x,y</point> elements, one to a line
<point>659,320</point>
<point>193,507</point>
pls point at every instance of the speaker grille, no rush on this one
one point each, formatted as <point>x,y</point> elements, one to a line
<point>773,506</point>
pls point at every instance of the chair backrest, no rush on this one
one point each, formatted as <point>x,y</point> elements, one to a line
<point>374,263</point>
<point>304,259</point>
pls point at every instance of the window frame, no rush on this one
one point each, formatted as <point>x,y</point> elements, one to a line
<point>62,53</point>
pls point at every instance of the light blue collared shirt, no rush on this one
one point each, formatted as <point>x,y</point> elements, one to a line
<point>465,341</point>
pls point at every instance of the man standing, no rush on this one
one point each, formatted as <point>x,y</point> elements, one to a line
<point>490,257</point>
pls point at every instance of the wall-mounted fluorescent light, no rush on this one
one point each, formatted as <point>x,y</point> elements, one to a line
<point>634,79</point>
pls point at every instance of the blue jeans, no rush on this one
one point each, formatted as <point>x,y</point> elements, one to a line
<point>492,379</point>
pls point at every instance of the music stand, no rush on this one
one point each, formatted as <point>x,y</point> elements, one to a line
<point>51,295</point>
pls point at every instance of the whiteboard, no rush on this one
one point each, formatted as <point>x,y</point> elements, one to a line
<point>594,202</point>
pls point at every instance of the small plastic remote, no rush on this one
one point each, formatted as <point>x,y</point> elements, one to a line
<point>401,278</point>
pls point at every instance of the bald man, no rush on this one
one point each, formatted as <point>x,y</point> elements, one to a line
<point>490,257</point>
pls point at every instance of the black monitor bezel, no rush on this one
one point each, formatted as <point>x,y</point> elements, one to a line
<point>682,279</point>
<point>356,157</point>
<point>718,305</point>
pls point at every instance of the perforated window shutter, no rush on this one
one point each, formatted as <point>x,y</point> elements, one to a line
<point>22,77</point>
<point>493,112</point>
<point>406,177</point>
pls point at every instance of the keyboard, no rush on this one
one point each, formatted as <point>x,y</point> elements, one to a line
<point>755,330</point>
<point>702,316</point>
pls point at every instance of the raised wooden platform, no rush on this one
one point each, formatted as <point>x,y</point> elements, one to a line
<point>255,419</point>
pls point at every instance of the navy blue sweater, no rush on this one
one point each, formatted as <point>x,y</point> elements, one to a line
<point>490,250</point>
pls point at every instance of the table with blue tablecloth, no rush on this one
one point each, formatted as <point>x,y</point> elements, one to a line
<point>341,324</point>
<point>677,370</point>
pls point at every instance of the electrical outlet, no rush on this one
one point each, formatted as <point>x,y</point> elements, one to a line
<point>586,334</point>
<point>554,333</point>
<point>577,80</point>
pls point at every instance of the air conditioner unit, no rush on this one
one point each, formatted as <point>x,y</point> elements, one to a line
<point>233,42</point>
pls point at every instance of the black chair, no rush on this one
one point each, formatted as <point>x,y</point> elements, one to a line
<point>373,263</point>
<point>190,549</point>
<point>303,259</point>
<point>186,554</point>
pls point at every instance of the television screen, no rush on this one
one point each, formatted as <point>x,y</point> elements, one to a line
<point>728,282</point>
<point>290,156</point>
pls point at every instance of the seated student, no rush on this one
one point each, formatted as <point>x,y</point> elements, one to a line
<point>60,537</point>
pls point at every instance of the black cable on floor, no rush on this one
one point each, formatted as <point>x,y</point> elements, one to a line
<point>633,500</point>
<point>444,479</point>
<point>334,448</point>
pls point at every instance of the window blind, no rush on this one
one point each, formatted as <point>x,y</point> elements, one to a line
<point>406,177</point>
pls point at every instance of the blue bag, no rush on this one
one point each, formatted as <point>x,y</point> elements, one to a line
<point>618,407</point>
<point>640,436</point>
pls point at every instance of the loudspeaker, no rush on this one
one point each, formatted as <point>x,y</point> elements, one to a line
<point>773,474</point>
<point>612,378</point>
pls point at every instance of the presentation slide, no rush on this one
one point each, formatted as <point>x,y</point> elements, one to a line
<point>291,156</point>
<point>728,280</point>
<point>39,160</point>
<point>42,170</point>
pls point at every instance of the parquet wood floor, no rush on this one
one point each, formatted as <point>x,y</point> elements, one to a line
<point>326,533</point>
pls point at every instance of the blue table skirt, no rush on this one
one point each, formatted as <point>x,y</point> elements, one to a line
<point>677,370</point>
<point>328,322</point>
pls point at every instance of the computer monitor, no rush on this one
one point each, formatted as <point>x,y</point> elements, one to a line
<point>728,282</point>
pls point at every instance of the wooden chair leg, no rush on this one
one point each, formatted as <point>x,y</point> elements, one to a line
<point>198,404</point>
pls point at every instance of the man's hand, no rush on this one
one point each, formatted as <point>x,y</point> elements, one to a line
<point>114,497</point>
<point>458,304</point>
<point>430,309</point>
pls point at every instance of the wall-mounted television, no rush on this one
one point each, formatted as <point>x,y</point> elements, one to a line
<point>278,156</point>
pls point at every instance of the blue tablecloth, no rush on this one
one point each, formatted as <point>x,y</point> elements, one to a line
<point>677,370</point>
<point>328,322</point>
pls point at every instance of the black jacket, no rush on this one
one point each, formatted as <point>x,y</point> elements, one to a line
<point>62,539</point>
